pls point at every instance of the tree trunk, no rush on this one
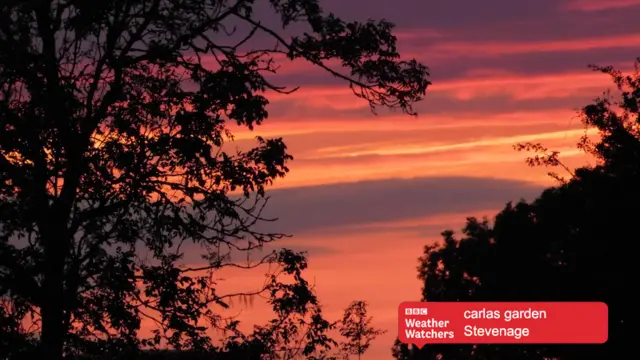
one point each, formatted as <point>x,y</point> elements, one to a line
<point>52,311</point>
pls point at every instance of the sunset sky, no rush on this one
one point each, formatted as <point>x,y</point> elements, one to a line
<point>366,192</point>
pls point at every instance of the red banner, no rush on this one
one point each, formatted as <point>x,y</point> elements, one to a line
<point>422,323</point>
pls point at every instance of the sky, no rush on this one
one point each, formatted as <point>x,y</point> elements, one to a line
<point>366,193</point>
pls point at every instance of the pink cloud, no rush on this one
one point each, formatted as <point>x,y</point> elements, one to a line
<point>419,33</point>
<point>526,87</point>
<point>495,48</point>
<point>598,5</point>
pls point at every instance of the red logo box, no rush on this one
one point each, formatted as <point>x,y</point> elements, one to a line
<point>422,323</point>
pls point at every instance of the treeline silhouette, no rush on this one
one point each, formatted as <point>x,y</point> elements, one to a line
<point>573,243</point>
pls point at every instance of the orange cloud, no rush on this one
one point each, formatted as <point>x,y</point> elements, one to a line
<point>331,151</point>
<point>440,219</point>
<point>289,126</point>
<point>515,86</point>
<point>419,148</point>
<point>501,163</point>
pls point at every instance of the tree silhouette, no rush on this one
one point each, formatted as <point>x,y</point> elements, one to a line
<point>113,117</point>
<point>567,245</point>
<point>357,329</point>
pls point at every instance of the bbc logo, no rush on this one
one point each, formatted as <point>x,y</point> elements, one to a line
<point>415,311</point>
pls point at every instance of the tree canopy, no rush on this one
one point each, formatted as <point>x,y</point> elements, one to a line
<point>569,244</point>
<point>356,327</point>
<point>113,120</point>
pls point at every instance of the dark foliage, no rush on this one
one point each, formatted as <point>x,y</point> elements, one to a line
<point>570,244</point>
<point>113,120</point>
